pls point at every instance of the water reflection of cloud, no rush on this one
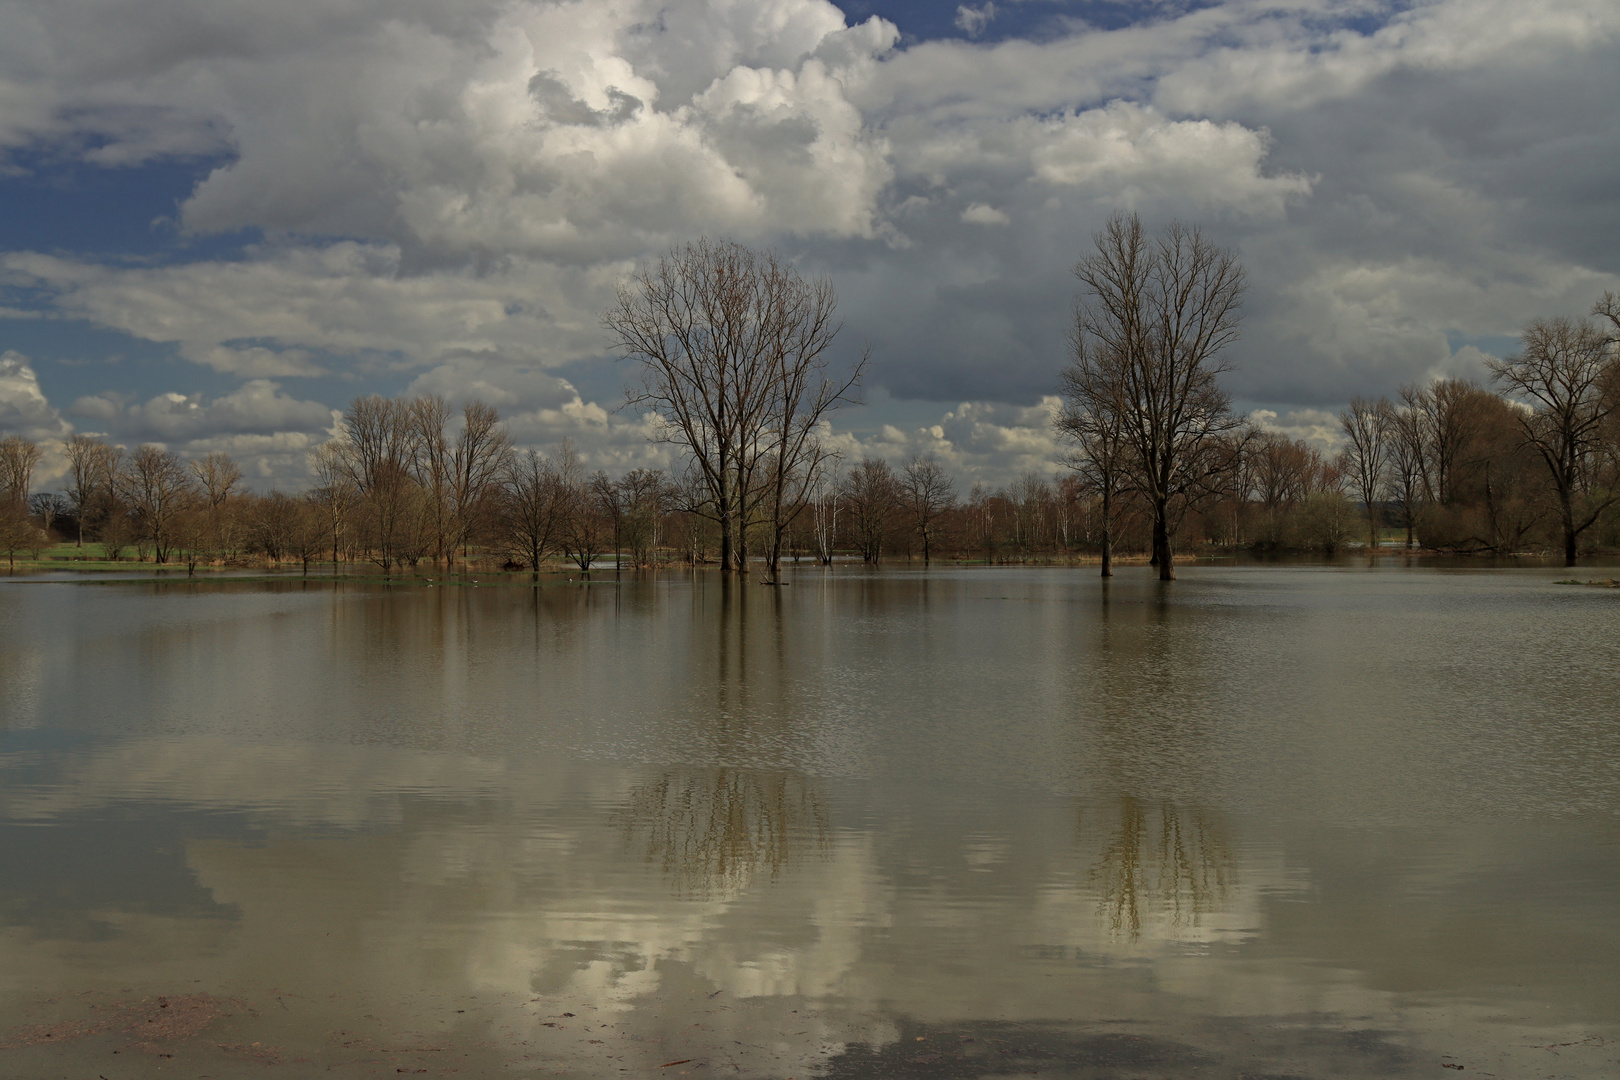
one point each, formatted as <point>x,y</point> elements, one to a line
<point>543,885</point>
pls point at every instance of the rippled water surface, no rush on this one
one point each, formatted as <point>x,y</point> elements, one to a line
<point>1283,821</point>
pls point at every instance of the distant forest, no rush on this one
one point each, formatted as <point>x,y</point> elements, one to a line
<point>1157,464</point>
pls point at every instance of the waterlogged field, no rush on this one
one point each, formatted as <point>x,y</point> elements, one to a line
<point>1309,821</point>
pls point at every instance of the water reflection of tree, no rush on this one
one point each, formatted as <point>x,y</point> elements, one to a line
<point>714,831</point>
<point>1171,862</point>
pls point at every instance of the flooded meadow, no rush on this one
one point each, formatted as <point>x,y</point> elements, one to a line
<point>1351,819</point>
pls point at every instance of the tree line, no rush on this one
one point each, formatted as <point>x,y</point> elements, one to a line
<point>409,481</point>
<point>1532,463</point>
<point>734,353</point>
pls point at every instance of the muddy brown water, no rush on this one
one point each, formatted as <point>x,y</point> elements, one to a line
<point>1269,821</point>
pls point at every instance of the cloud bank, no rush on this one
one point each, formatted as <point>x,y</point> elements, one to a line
<point>442,196</point>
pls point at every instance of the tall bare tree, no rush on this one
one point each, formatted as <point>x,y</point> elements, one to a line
<point>1093,420</point>
<point>1168,307</point>
<point>478,460</point>
<point>1562,372</point>
<point>802,393</point>
<point>428,416</point>
<point>334,492</point>
<point>378,456</point>
<point>732,349</point>
<point>85,457</point>
<point>1407,455</point>
<point>1366,454</point>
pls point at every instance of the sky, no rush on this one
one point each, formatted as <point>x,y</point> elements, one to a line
<point>221,221</point>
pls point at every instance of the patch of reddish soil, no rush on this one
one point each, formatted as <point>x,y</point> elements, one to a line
<point>151,1023</point>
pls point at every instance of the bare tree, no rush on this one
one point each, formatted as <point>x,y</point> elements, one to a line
<point>582,526</point>
<point>825,504</point>
<point>533,507</point>
<point>1561,373</point>
<point>378,455</point>
<point>18,456</point>
<point>981,509</point>
<point>334,493</point>
<point>159,488</point>
<point>306,538</point>
<point>1030,496</point>
<point>1406,463</point>
<point>1168,308</point>
<point>607,499</point>
<point>871,494</point>
<point>1448,420</point>
<point>17,532</point>
<point>1283,473</point>
<point>1366,454</point>
<point>478,460</point>
<point>218,476</point>
<point>647,495</point>
<point>1608,307</point>
<point>731,343</point>
<point>84,456</point>
<point>802,393</point>
<point>1093,420</point>
<point>928,493</point>
<point>427,417</point>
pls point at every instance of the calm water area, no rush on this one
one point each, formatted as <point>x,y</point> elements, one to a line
<point>1294,820</point>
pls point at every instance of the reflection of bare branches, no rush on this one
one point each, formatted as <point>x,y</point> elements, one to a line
<point>713,831</point>
<point>1179,870</point>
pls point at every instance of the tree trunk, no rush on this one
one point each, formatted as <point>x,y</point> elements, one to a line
<point>1161,545</point>
<point>1107,534</point>
<point>725,534</point>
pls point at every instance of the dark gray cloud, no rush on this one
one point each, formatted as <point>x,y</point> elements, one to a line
<point>451,190</point>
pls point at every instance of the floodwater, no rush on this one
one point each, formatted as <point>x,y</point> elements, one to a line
<point>1267,821</point>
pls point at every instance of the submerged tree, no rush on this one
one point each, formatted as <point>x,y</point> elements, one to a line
<point>732,347</point>
<point>1163,312</point>
<point>928,493</point>
<point>533,506</point>
<point>1093,420</point>
<point>871,494</point>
